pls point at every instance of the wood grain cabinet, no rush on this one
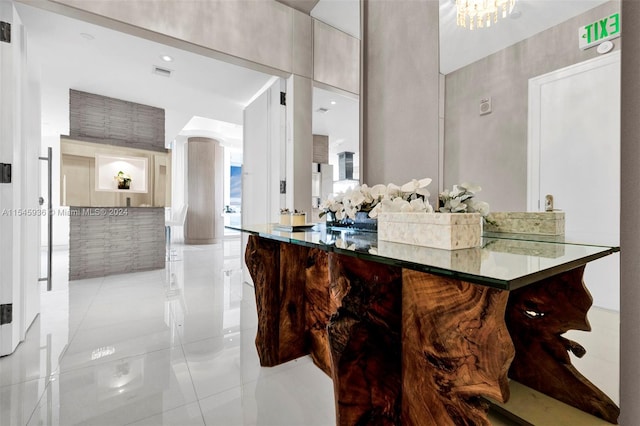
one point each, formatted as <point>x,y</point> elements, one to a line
<point>204,223</point>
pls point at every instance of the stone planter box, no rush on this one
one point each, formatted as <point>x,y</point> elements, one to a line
<point>540,223</point>
<point>449,231</point>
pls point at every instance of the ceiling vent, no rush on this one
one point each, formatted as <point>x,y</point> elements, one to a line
<point>161,71</point>
<point>322,110</point>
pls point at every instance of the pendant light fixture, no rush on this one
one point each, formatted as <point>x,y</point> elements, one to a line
<point>480,13</point>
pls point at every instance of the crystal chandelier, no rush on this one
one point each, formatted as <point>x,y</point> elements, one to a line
<point>480,13</point>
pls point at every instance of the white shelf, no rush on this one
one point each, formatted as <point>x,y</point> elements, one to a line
<point>108,166</point>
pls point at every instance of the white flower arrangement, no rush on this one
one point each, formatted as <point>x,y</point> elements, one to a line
<point>410,197</point>
<point>461,200</point>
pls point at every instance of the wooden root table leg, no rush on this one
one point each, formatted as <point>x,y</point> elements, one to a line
<point>455,349</point>
<point>319,308</point>
<point>537,316</point>
<point>364,338</point>
<point>279,287</point>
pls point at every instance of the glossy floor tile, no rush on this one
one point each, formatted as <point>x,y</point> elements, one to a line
<point>176,347</point>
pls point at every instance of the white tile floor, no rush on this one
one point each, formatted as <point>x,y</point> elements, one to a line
<point>175,347</point>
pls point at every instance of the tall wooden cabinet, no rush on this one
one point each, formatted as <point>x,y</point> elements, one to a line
<point>204,223</point>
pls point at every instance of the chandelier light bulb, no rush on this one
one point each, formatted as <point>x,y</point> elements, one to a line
<point>479,13</point>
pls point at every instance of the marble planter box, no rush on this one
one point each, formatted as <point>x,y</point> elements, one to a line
<point>449,231</point>
<point>541,223</point>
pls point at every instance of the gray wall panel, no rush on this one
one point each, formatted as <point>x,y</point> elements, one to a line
<point>321,149</point>
<point>302,45</point>
<point>259,31</point>
<point>104,241</point>
<point>101,119</point>
<point>630,222</point>
<point>400,92</point>
<point>336,58</point>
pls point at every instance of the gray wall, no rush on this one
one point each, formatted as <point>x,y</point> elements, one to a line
<point>491,150</point>
<point>336,58</point>
<point>400,91</point>
<point>630,219</point>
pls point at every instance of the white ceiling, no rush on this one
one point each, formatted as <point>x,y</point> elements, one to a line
<point>340,122</point>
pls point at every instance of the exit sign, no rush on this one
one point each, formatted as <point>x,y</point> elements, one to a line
<point>596,32</point>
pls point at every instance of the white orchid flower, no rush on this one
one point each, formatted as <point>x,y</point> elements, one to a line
<point>456,191</point>
<point>457,206</point>
<point>470,187</point>
<point>357,198</point>
<point>392,191</point>
<point>406,207</point>
<point>481,207</point>
<point>417,187</point>
<point>378,192</point>
<point>374,211</point>
<point>418,205</point>
<point>395,205</point>
<point>410,186</point>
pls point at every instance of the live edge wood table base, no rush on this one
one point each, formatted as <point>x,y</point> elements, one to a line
<point>405,347</point>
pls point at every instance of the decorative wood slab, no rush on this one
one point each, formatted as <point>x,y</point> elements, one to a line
<point>320,305</point>
<point>364,339</point>
<point>455,350</point>
<point>411,348</point>
<point>279,288</point>
<point>537,316</point>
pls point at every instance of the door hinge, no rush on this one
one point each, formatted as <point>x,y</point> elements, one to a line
<point>283,186</point>
<point>6,313</point>
<point>283,98</point>
<point>5,32</point>
<point>5,173</point>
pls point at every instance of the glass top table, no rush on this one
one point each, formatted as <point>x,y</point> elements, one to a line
<point>504,261</point>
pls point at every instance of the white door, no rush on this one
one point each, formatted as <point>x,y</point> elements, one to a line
<point>574,155</point>
<point>19,210</point>
<point>262,155</point>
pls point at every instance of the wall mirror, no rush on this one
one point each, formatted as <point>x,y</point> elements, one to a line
<point>335,115</point>
<point>336,150</point>
<point>517,121</point>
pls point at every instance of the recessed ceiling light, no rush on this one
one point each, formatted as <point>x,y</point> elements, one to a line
<point>87,36</point>
<point>166,58</point>
<point>333,102</point>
